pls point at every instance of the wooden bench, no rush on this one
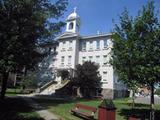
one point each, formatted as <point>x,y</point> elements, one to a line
<point>84,111</point>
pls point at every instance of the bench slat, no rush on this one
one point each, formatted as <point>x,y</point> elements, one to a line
<point>86,107</point>
<point>82,113</point>
<point>78,110</point>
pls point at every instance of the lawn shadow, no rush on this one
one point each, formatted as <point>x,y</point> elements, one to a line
<point>48,102</point>
<point>54,101</point>
<point>142,113</point>
<point>15,108</point>
<point>139,105</point>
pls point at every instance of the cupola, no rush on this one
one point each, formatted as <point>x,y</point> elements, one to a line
<point>73,22</point>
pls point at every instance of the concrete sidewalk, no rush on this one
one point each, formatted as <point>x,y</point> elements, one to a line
<point>39,109</point>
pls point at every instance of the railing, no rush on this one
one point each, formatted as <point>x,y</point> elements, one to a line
<point>47,85</point>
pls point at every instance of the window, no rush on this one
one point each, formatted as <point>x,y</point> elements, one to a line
<point>70,45</point>
<point>104,81</point>
<point>91,45</point>
<point>62,60</point>
<point>69,60</point>
<point>98,59</point>
<point>90,58</point>
<point>104,77</point>
<point>97,44</point>
<point>105,43</point>
<point>105,59</point>
<point>104,72</point>
<point>83,59</point>
<point>83,45</point>
<point>63,45</point>
<point>71,26</point>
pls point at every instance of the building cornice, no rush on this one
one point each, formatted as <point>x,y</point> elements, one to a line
<point>96,36</point>
<point>67,35</point>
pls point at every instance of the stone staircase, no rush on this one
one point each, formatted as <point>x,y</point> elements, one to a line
<point>51,88</point>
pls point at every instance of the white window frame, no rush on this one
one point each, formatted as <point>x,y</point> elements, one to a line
<point>105,43</point>
<point>97,59</point>
<point>83,59</point>
<point>90,45</point>
<point>83,46</point>
<point>105,60</point>
<point>91,58</point>
<point>70,44</point>
<point>97,44</point>
<point>63,45</point>
<point>62,60</point>
<point>69,60</point>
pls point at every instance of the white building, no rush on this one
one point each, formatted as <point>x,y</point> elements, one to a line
<point>75,49</point>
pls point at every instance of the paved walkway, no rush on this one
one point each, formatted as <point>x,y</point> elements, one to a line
<point>146,100</point>
<point>40,110</point>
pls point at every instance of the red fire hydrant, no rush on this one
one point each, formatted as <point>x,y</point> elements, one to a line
<point>107,110</point>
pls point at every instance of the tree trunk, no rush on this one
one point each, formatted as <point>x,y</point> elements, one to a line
<point>152,102</point>
<point>4,85</point>
<point>133,99</point>
<point>15,79</point>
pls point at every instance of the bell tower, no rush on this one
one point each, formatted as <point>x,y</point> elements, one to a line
<point>73,22</point>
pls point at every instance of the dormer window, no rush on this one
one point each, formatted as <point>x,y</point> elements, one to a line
<point>71,26</point>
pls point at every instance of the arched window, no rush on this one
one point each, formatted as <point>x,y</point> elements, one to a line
<point>71,26</point>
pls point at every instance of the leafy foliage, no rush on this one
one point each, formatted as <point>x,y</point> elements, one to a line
<point>107,103</point>
<point>87,77</point>
<point>157,91</point>
<point>26,25</point>
<point>29,81</point>
<point>136,49</point>
<point>64,74</point>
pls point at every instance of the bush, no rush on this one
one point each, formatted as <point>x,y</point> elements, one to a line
<point>28,82</point>
<point>108,103</point>
<point>157,91</point>
<point>64,74</point>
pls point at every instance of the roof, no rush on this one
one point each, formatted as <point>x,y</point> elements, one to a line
<point>71,35</point>
<point>97,35</point>
<point>67,35</point>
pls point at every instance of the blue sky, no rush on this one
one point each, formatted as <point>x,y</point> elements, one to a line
<point>97,15</point>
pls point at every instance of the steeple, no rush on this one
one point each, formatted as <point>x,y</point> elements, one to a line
<point>73,22</point>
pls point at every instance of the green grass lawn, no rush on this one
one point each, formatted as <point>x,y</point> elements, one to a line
<point>13,92</point>
<point>62,108</point>
<point>17,91</point>
<point>13,108</point>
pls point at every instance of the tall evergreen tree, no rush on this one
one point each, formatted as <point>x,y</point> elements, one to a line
<point>24,26</point>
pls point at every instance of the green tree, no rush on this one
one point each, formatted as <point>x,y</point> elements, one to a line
<point>87,78</point>
<point>147,26</point>
<point>64,74</point>
<point>25,25</point>
<point>157,91</point>
<point>136,49</point>
<point>124,52</point>
<point>28,81</point>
